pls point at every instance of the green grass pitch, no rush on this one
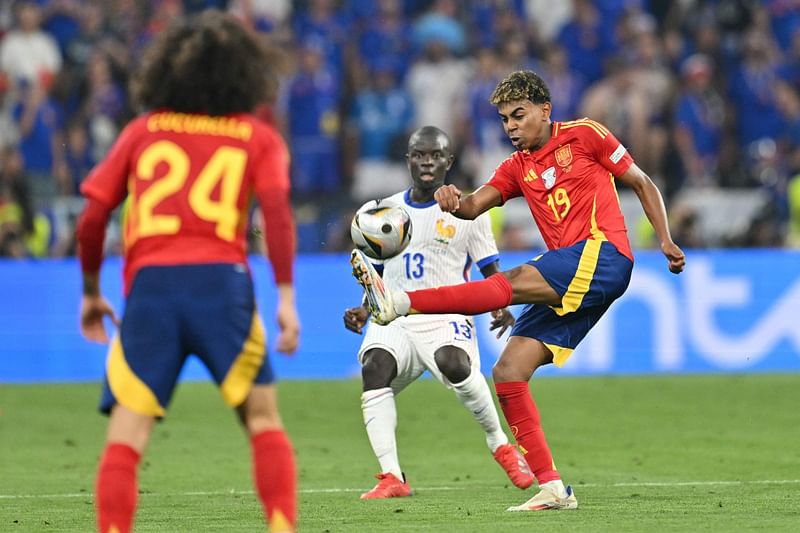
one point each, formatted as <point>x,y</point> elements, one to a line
<point>691,453</point>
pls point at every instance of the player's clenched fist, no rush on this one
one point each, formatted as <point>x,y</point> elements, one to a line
<point>448,197</point>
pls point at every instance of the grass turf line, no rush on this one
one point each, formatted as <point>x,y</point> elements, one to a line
<point>610,437</point>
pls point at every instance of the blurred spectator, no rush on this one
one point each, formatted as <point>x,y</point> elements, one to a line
<point>62,20</point>
<point>262,15</point>
<point>492,19</point>
<point>566,85</point>
<point>488,144</point>
<point>77,154</point>
<point>440,25</point>
<point>313,124</point>
<point>621,104</point>
<point>790,70</point>
<point>385,40</point>
<point>436,82</point>
<point>39,123</point>
<point>29,55</point>
<point>104,105</point>
<point>377,133</point>
<point>23,231</point>
<point>751,91</point>
<point>94,37</point>
<point>698,122</point>
<point>548,17</point>
<point>789,139</point>
<point>321,23</point>
<point>514,53</point>
<point>585,41</point>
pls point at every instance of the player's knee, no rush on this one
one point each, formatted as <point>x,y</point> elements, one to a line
<point>504,370</point>
<point>259,412</point>
<point>453,363</point>
<point>378,369</point>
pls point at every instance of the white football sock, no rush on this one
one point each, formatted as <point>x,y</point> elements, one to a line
<point>401,303</point>
<point>556,486</point>
<point>475,395</point>
<point>380,420</point>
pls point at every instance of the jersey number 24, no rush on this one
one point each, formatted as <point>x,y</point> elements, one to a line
<point>225,168</point>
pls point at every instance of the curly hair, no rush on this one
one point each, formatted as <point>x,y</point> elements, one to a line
<point>521,85</point>
<point>210,64</point>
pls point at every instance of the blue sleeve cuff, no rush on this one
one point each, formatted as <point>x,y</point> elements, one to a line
<point>488,260</point>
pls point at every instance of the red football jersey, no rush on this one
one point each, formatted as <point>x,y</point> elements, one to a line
<point>189,180</point>
<point>569,184</point>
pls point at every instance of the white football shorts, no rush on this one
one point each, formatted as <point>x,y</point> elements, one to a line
<point>413,340</point>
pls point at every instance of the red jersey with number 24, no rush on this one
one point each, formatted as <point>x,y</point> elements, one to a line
<point>569,184</point>
<point>189,180</point>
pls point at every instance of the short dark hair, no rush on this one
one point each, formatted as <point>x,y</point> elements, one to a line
<point>521,85</point>
<point>429,131</point>
<point>208,63</point>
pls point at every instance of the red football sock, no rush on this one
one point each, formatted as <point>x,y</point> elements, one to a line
<point>116,489</point>
<point>523,419</point>
<point>275,478</point>
<point>472,298</point>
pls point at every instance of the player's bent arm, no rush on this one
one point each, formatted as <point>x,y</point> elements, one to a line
<point>653,205</point>
<point>91,233</point>
<point>473,205</point>
<point>651,200</point>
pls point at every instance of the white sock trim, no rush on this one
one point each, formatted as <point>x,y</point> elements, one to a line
<point>401,303</point>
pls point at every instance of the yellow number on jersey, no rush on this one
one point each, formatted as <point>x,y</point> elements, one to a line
<point>558,201</point>
<point>225,168</point>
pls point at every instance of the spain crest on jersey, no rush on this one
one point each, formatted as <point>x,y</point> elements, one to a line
<point>563,155</point>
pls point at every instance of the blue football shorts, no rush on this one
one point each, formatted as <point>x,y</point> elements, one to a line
<point>588,276</point>
<point>172,312</point>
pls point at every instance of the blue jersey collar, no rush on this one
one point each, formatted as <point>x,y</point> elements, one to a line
<point>418,205</point>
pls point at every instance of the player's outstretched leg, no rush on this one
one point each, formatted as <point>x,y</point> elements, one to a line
<point>379,299</point>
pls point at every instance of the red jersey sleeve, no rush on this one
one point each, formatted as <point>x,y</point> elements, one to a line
<point>272,189</point>
<point>91,233</point>
<point>108,181</point>
<point>608,151</point>
<point>505,179</point>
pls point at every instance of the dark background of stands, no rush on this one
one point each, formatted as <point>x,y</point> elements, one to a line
<point>705,95</point>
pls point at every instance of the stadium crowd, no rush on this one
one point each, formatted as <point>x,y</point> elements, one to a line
<point>705,94</point>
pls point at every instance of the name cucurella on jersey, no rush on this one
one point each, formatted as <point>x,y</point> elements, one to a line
<point>200,125</point>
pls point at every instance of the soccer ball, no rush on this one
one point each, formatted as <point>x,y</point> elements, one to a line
<point>381,232</point>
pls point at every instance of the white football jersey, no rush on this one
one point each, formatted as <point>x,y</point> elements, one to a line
<point>442,248</point>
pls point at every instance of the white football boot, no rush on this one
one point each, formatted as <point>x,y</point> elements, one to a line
<point>551,496</point>
<point>379,299</point>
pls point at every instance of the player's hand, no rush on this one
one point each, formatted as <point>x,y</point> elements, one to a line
<point>675,256</point>
<point>355,318</point>
<point>448,197</point>
<point>289,325</point>
<point>93,310</point>
<point>502,319</point>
